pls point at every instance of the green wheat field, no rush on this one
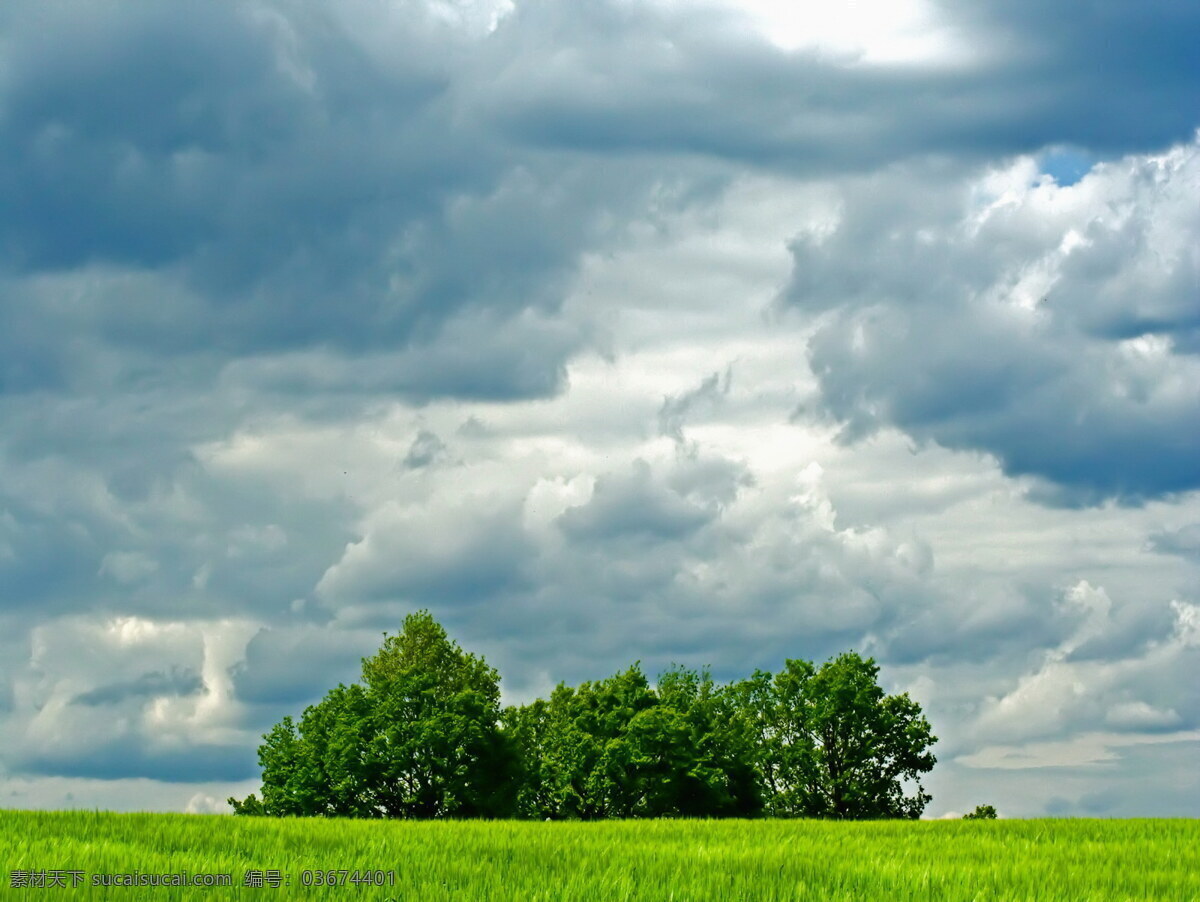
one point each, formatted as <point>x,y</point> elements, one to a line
<point>1077,860</point>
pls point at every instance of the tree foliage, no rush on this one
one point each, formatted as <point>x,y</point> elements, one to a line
<point>618,748</point>
<point>829,743</point>
<point>424,737</point>
<point>981,813</point>
<point>420,739</point>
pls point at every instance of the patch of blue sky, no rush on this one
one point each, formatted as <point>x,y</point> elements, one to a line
<point>1066,165</point>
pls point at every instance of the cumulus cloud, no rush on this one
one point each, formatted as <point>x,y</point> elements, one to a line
<point>160,711</point>
<point>202,803</point>
<point>1051,327</point>
<point>1103,704</point>
<point>413,554</point>
<point>666,554</point>
<point>633,507</point>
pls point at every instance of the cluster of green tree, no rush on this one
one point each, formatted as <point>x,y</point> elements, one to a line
<point>981,813</point>
<point>424,736</point>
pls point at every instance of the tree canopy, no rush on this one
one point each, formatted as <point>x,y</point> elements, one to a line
<point>424,736</point>
<point>421,739</point>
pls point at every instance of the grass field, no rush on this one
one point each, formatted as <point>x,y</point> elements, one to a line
<point>1076,860</point>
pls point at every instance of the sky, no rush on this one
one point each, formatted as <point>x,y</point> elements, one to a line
<point>680,332</point>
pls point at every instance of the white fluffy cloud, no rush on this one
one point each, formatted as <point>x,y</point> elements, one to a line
<point>127,697</point>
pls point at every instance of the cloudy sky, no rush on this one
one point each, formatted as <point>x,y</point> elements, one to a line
<point>703,332</point>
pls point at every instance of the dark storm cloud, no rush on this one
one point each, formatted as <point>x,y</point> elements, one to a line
<point>290,666</point>
<point>309,189</point>
<point>149,135</point>
<point>266,193</point>
<point>984,623</point>
<point>638,80</point>
<point>478,357</point>
<point>50,560</point>
<point>177,681</point>
<point>1120,75</point>
<point>135,756</point>
<point>233,180</point>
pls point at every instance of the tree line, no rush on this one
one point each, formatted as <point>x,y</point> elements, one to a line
<point>424,736</point>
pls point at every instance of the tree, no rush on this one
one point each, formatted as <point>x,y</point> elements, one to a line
<point>420,740</point>
<point>831,744</point>
<point>526,728</point>
<point>981,813</point>
<point>436,745</point>
<point>617,748</point>
<point>716,775</point>
<point>868,743</point>
<point>783,749</point>
<point>577,748</point>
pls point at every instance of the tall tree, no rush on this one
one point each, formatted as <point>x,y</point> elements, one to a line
<point>527,729</point>
<point>715,776</point>
<point>829,743</point>
<point>870,744</point>
<point>421,739</point>
<point>586,767</point>
<point>776,710</point>
<point>436,747</point>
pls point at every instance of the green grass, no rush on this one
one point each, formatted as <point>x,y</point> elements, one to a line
<point>1076,860</point>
